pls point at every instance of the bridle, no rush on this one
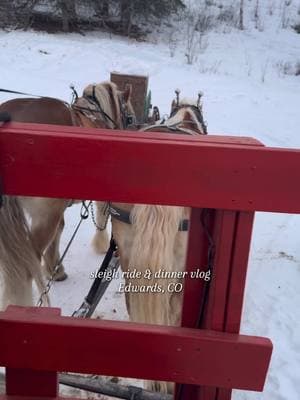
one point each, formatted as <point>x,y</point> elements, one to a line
<point>126,118</point>
<point>176,127</point>
<point>199,115</point>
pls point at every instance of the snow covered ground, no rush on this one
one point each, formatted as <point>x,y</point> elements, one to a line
<point>246,93</point>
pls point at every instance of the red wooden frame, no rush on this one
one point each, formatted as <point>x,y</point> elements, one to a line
<point>208,171</point>
<point>179,354</point>
<point>235,176</point>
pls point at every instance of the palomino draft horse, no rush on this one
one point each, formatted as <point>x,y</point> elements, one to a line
<point>101,106</point>
<point>155,237</point>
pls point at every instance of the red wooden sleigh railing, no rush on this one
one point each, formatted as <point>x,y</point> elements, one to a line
<point>232,176</point>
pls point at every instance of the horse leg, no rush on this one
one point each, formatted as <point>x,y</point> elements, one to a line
<point>52,255</point>
<point>46,226</point>
<point>100,241</point>
<point>45,236</point>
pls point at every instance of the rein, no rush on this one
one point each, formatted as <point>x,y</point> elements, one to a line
<point>33,95</point>
<point>22,93</point>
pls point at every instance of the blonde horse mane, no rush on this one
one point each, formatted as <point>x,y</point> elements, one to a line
<point>185,112</point>
<point>155,229</point>
<point>107,96</point>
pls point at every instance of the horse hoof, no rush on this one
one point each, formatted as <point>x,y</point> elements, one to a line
<point>60,276</point>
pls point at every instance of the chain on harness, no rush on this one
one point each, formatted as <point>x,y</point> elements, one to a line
<point>105,211</point>
<point>84,213</point>
<point>109,265</point>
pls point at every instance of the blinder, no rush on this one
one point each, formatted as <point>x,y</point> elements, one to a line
<point>127,118</point>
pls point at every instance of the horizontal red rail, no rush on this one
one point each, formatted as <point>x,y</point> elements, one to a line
<point>121,348</point>
<point>224,173</point>
<point>6,397</point>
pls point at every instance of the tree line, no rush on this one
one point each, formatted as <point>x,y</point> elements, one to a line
<point>72,15</point>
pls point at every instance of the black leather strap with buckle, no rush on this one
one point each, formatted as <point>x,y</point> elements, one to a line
<point>124,216</point>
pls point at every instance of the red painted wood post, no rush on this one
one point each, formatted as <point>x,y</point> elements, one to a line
<point>27,381</point>
<point>54,343</point>
<point>193,291</point>
<point>231,236</point>
<point>238,180</point>
<point>223,237</point>
<point>193,306</point>
<point>31,383</point>
<point>240,255</point>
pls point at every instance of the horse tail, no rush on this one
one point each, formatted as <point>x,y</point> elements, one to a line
<point>18,258</point>
<point>155,230</point>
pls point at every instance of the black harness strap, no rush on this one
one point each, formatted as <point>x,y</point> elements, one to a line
<point>5,116</point>
<point>124,216</point>
<point>99,285</point>
<point>93,99</point>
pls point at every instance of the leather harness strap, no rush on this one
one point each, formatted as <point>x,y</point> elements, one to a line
<point>124,216</point>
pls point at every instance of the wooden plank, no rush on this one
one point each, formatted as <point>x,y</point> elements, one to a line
<point>236,287</point>
<point>139,85</point>
<point>27,382</point>
<point>7,397</point>
<point>223,236</point>
<point>196,258</point>
<point>221,176</point>
<point>222,233</point>
<point>179,355</point>
<point>225,230</point>
<point>194,288</point>
<point>56,129</point>
<point>238,273</point>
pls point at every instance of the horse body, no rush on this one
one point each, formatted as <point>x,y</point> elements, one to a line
<point>44,110</point>
<point>154,244</point>
<point>99,105</point>
<point>154,241</point>
<point>46,214</point>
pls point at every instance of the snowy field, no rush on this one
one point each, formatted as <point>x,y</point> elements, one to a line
<point>247,93</point>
